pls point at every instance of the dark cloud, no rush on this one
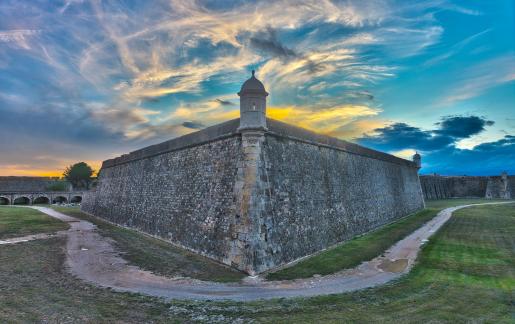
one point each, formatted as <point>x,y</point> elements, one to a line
<point>268,42</point>
<point>360,95</point>
<point>505,144</point>
<point>316,67</point>
<point>438,146</point>
<point>401,136</point>
<point>193,124</point>
<point>462,126</point>
<point>224,102</point>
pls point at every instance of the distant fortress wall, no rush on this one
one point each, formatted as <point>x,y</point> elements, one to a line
<point>28,184</point>
<point>255,199</point>
<point>491,187</point>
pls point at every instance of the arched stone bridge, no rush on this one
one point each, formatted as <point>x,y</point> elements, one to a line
<point>43,197</point>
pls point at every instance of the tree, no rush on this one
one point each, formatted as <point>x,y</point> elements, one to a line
<point>79,174</point>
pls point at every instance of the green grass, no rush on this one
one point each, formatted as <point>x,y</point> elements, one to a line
<point>476,248</point>
<point>365,247</point>
<point>35,288</point>
<point>156,255</point>
<point>464,274</point>
<point>446,203</point>
<point>20,221</point>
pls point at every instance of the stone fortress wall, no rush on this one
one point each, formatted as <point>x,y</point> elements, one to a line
<point>184,195</point>
<point>255,193</point>
<point>255,200</point>
<point>27,184</point>
<point>317,195</point>
<point>491,187</point>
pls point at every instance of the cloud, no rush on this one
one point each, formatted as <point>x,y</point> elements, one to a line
<point>401,136</point>
<point>106,77</point>
<point>128,122</point>
<point>481,77</point>
<point>142,60</point>
<point>462,10</point>
<point>440,152</point>
<point>198,24</point>
<point>405,154</point>
<point>208,111</point>
<point>193,124</point>
<point>195,22</point>
<point>267,42</point>
<point>462,126</point>
<point>456,48</point>
<point>68,3</point>
<point>345,121</point>
<point>490,158</point>
<point>18,37</point>
<point>225,102</point>
<point>327,120</point>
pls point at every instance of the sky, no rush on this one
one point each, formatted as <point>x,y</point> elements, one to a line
<point>90,80</point>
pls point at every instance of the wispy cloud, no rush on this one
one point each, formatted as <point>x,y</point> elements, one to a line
<point>18,37</point>
<point>456,48</point>
<point>327,120</point>
<point>479,78</point>
<point>114,75</point>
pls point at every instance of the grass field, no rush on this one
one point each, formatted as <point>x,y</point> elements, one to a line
<point>19,221</point>
<point>156,255</point>
<point>35,288</point>
<point>465,273</point>
<point>365,247</point>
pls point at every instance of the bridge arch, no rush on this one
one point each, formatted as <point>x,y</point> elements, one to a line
<point>59,200</point>
<point>21,200</point>
<point>4,200</point>
<point>76,199</point>
<point>41,200</point>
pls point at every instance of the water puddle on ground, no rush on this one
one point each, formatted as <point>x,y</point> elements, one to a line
<point>394,266</point>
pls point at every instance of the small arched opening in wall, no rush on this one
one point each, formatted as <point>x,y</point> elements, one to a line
<point>59,200</point>
<point>21,201</point>
<point>76,199</point>
<point>4,201</point>
<point>41,200</point>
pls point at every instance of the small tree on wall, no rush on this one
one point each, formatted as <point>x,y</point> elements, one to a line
<point>79,174</point>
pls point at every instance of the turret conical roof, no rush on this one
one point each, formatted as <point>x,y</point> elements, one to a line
<point>253,85</point>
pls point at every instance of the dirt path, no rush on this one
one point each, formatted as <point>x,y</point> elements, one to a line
<point>21,239</point>
<point>92,258</point>
<point>40,236</point>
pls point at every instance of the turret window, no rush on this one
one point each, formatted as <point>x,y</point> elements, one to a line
<point>253,106</point>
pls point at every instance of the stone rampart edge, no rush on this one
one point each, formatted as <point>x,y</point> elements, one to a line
<point>276,128</point>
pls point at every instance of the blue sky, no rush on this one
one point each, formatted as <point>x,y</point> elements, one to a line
<point>90,80</point>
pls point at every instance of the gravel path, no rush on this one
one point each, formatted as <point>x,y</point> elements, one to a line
<point>92,258</point>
